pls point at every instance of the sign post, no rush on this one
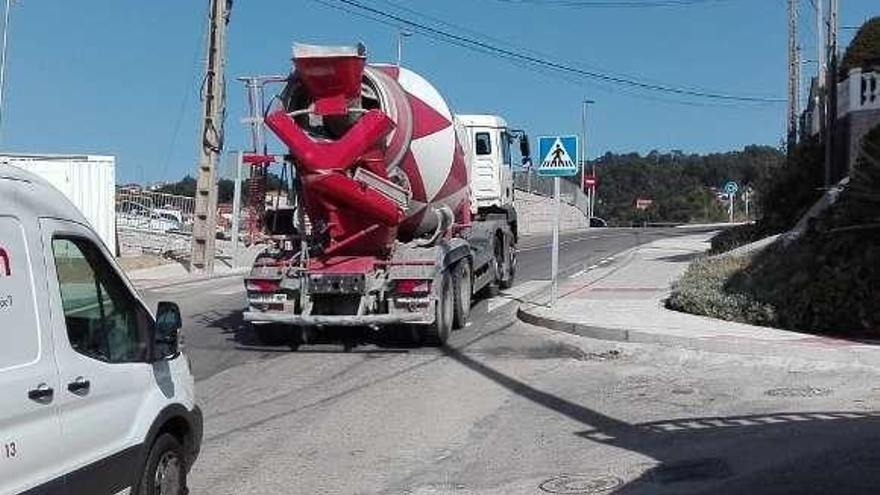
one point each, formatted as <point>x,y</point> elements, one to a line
<point>590,183</point>
<point>556,154</point>
<point>731,188</point>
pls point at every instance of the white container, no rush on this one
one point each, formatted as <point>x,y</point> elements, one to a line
<point>89,181</point>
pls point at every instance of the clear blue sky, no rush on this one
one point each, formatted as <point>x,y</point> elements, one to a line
<point>121,76</point>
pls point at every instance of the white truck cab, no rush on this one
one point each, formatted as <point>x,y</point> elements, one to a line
<point>97,397</point>
<point>489,140</point>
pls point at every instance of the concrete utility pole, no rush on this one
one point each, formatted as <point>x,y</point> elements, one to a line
<point>831,88</point>
<point>793,75</point>
<point>211,146</point>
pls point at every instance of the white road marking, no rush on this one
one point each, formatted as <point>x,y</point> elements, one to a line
<point>514,293</point>
<point>579,273</point>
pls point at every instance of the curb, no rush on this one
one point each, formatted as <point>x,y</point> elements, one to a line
<point>865,355</point>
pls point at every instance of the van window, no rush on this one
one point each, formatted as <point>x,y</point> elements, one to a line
<point>505,148</point>
<point>104,321</point>
<point>19,326</point>
<point>484,143</point>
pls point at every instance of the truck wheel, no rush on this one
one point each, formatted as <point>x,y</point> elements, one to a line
<point>270,334</point>
<point>437,333</point>
<point>463,290</point>
<point>165,470</point>
<point>509,265</point>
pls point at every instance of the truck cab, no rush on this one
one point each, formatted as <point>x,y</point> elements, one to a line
<point>490,158</point>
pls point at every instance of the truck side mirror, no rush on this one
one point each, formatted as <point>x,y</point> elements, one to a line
<point>524,149</point>
<point>168,325</point>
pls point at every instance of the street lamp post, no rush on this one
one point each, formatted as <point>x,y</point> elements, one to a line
<point>400,36</point>
<point>585,103</point>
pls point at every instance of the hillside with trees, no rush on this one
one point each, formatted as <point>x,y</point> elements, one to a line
<point>682,186</point>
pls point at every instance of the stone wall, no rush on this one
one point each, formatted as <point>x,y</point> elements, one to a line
<point>535,214</point>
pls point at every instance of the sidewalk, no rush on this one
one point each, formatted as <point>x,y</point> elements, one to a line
<point>623,301</point>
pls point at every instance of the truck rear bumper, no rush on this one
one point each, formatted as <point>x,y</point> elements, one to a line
<point>333,320</point>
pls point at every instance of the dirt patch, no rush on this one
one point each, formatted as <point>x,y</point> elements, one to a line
<point>139,262</point>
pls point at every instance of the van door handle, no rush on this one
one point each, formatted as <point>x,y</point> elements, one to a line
<point>42,394</point>
<point>80,386</point>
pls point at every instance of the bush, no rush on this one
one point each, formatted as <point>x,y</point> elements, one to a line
<point>793,188</point>
<point>703,290</point>
<point>735,237</point>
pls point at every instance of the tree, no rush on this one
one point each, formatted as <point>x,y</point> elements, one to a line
<point>864,51</point>
<point>682,186</point>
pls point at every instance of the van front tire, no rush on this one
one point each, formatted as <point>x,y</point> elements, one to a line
<point>165,469</point>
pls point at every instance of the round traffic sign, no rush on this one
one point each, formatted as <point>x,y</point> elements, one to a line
<point>590,181</point>
<point>731,187</point>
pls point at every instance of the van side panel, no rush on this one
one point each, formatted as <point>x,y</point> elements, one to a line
<point>30,428</point>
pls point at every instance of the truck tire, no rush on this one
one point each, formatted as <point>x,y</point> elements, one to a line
<point>437,333</point>
<point>509,264</point>
<point>463,291</point>
<point>165,469</point>
<point>270,334</point>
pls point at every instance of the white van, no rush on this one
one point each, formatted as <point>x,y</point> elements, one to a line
<point>95,396</point>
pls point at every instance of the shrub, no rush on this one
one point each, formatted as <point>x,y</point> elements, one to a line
<point>735,237</point>
<point>703,290</point>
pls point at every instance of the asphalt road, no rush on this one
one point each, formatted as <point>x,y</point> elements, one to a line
<point>509,408</point>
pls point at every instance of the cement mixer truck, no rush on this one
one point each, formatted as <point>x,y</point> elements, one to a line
<point>403,211</point>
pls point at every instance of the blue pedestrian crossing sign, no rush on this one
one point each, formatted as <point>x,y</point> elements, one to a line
<point>558,156</point>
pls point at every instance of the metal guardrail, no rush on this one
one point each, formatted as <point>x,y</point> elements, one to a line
<point>153,222</point>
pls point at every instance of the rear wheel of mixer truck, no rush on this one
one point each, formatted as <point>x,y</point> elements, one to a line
<point>271,334</point>
<point>437,333</point>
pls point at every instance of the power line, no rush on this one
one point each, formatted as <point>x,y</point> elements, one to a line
<point>608,88</point>
<point>614,3</point>
<point>478,45</point>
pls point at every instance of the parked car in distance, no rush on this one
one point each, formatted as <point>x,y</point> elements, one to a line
<point>98,397</point>
<point>598,222</point>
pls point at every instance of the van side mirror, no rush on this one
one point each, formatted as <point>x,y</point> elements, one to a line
<point>525,149</point>
<point>168,325</point>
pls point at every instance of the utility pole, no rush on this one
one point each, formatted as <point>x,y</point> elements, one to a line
<point>793,75</point>
<point>831,88</point>
<point>3,57</point>
<point>211,145</point>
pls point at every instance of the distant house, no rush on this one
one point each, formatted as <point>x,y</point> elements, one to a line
<point>858,111</point>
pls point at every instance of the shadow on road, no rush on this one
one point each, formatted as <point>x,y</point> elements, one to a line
<point>774,453</point>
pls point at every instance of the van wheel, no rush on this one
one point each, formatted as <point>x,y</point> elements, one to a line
<point>463,290</point>
<point>165,471</point>
<point>437,333</point>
